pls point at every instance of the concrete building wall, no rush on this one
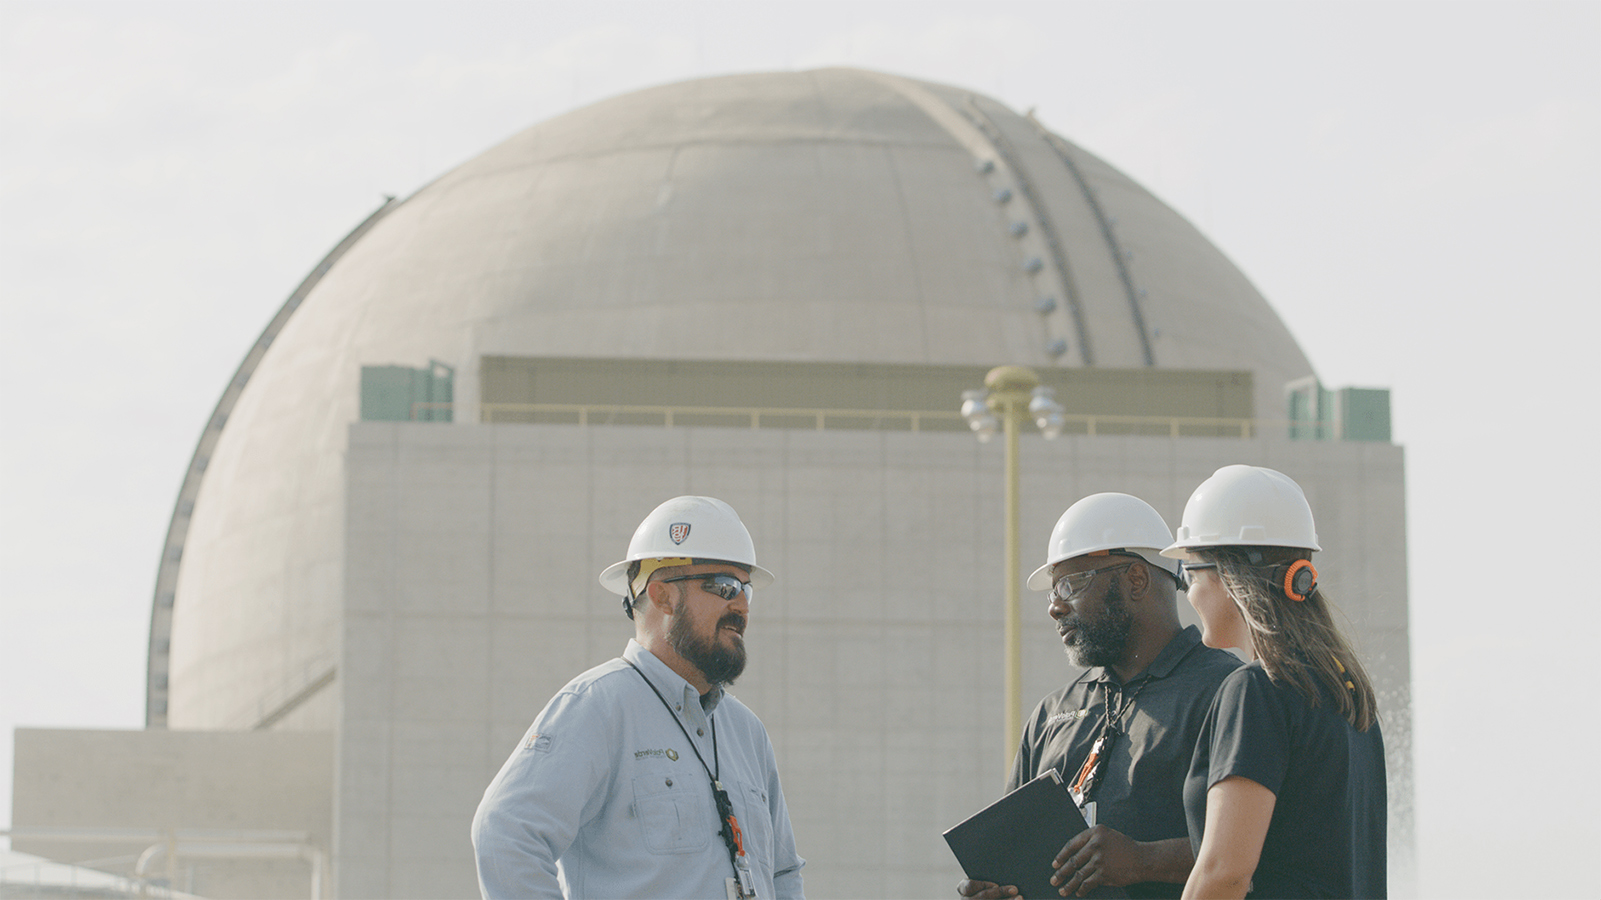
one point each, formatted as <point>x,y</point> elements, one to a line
<point>202,788</point>
<point>876,658</point>
<point>835,216</point>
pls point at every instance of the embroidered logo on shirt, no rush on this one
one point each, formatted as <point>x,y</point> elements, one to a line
<point>1060,718</point>
<point>657,754</point>
<point>538,743</point>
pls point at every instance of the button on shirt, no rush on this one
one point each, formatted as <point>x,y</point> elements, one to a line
<point>604,797</point>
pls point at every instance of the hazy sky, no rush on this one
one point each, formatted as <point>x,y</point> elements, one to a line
<point>1413,186</point>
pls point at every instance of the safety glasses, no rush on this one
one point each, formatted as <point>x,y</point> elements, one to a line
<point>1076,583</point>
<point>1185,568</point>
<point>725,586</point>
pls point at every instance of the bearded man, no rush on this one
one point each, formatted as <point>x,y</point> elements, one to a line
<point>1120,734</point>
<point>644,777</point>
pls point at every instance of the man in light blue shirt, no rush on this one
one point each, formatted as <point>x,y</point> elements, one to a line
<point>643,777</point>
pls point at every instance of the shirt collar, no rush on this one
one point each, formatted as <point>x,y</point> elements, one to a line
<point>1179,647</point>
<point>670,683</point>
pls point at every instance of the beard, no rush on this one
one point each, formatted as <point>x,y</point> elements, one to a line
<point>720,664</point>
<point>1104,640</point>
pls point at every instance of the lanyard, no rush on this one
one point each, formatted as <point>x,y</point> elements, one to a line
<point>1089,775</point>
<point>732,836</point>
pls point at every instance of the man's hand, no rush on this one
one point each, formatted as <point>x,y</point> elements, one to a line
<point>1098,856</point>
<point>986,890</point>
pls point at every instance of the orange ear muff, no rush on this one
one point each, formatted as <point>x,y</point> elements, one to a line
<point>1299,579</point>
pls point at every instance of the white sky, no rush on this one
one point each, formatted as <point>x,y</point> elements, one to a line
<point>1414,186</point>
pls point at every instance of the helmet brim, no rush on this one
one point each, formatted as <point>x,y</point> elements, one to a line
<point>1041,579</point>
<point>614,577</point>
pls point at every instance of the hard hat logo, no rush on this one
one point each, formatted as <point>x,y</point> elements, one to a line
<point>678,531</point>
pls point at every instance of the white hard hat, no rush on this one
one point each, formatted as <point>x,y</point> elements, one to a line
<point>1102,522</point>
<point>1245,506</point>
<point>686,529</point>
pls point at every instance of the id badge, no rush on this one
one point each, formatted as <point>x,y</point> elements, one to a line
<point>747,881</point>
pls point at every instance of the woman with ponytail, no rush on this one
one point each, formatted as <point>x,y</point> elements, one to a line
<point>1286,792</point>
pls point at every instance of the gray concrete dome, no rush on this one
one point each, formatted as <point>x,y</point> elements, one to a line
<point>825,216</point>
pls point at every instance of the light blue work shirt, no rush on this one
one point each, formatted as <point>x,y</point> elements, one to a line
<point>604,798</point>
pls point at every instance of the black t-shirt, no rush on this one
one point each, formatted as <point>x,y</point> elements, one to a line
<point>1327,834</point>
<point>1142,782</point>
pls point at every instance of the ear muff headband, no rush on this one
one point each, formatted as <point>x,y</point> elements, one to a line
<point>1299,579</point>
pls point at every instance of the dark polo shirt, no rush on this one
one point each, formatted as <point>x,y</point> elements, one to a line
<point>1328,832</point>
<point>1142,786</point>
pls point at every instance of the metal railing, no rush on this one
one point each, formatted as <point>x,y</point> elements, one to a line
<point>1090,424</point>
<point>165,844</point>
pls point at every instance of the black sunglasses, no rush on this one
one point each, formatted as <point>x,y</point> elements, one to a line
<point>725,586</point>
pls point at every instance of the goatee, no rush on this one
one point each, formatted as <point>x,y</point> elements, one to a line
<point>719,663</point>
<point>1103,641</point>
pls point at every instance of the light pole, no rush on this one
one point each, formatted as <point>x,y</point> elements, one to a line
<point>1012,392</point>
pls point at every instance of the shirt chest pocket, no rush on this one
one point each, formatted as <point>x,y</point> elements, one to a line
<point>756,826</point>
<point>674,813</point>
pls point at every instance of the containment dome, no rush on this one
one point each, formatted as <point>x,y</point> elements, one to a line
<point>832,216</point>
